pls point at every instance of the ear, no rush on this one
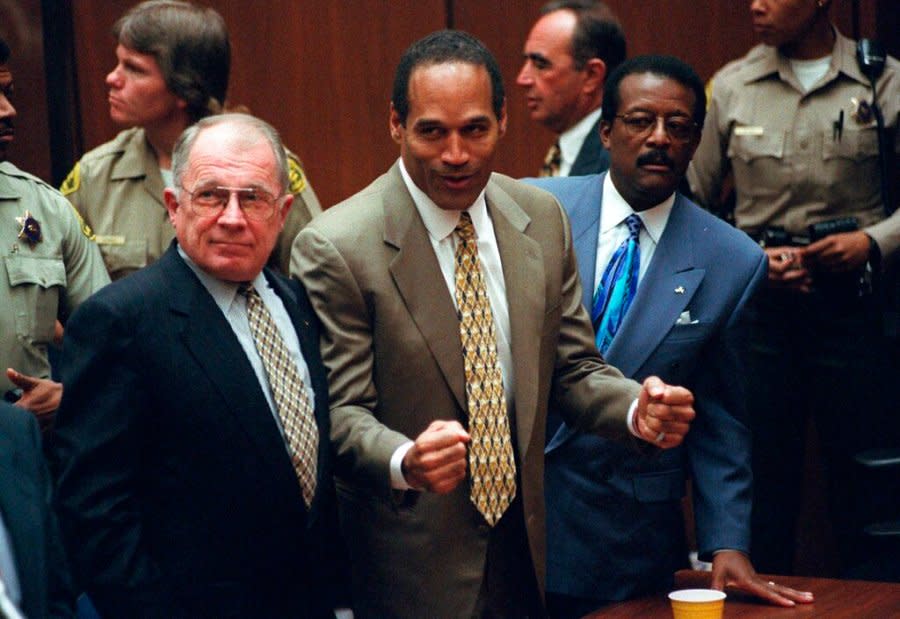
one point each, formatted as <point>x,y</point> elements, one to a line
<point>501,122</point>
<point>285,209</point>
<point>595,75</point>
<point>172,205</point>
<point>605,129</point>
<point>396,126</point>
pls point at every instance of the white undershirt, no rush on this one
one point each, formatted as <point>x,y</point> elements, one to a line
<point>809,72</point>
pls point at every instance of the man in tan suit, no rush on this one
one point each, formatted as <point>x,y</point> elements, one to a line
<point>383,271</point>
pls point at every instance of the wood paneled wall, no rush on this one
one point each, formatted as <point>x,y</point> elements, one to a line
<point>321,70</point>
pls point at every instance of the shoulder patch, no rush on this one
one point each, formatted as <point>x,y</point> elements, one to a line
<point>85,228</point>
<point>296,176</point>
<point>72,182</point>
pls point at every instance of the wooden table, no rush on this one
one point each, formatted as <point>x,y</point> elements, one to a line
<point>835,599</point>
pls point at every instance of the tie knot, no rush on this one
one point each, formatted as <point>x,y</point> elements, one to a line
<point>464,228</point>
<point>634,225</point>
<point>247,290</point>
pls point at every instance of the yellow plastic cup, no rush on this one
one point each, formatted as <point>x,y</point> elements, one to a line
<point>697,603</point>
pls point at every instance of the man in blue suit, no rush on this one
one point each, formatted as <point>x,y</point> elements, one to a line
<point>614,518</point>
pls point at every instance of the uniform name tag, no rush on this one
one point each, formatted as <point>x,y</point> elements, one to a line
<point>745,130</point>
<point>110,239</point>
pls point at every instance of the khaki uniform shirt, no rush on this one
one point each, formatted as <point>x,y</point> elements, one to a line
<point>118,190</point>
<point>791,166</point>
<point>42,281</point>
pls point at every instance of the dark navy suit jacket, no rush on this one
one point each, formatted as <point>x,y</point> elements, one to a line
<point>25,491</point>
<point>614,518</point>
<point>176,492</point>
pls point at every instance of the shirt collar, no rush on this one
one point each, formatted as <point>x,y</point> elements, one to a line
<point>843,60</point>
<point>571,139</point>
<point>222,292</point>
<point>440,222</point>
<point>616,209</point>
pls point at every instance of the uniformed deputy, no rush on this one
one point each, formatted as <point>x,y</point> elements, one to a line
<point>48,265</point>
<point>172,70</point>
<point>793,122</point>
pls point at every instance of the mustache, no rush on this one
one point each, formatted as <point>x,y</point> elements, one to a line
<point>6,125</point>
<point>655,157</point>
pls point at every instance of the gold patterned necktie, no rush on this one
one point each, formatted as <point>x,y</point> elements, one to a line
<point>552,161</point>
<point>288,391</point>
<point>492,466</point>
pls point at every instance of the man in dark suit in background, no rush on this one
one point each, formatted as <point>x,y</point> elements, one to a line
<point>439,442</point>
<point>34,575</point>
<point>614,517</point>
<point>569,52</point>
<point>192,443</point>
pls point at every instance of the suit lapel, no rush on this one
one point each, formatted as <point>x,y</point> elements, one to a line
<point>420,283</point>
<point>592,158</point>
<point>211,343</point>
<point>584,214</point>
<point>665,291</point>
<point>523,273</point>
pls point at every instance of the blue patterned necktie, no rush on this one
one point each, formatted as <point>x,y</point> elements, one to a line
<point>617,287</point>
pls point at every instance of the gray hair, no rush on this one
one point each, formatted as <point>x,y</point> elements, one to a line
<point>256,129</point>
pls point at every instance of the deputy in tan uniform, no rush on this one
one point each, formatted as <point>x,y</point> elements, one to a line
<point>792,120</point>
<point>48,265</point>
<point>173,65</point>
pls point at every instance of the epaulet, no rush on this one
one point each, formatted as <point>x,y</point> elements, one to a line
<point>73,180</point>
<point>296,176</point>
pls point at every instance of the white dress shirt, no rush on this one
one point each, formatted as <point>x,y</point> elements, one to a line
<point>234,308</point>
<point>440,224</point>
<point>572,139</point>
<point>613,230</point>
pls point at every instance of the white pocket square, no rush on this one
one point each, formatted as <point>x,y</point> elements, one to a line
<point>685,319</point>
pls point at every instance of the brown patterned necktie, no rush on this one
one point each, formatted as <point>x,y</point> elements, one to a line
<point>492,466</point>
<point>288,391</point>
<point>552,161</point>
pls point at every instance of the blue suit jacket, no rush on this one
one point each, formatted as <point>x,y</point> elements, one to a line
<point>176,494</point>
<point>614,517</point>
<point>25,491</point>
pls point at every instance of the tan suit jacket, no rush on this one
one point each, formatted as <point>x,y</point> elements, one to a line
<point>391,345</point>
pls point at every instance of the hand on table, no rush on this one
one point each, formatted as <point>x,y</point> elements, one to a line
<point>732,569</point>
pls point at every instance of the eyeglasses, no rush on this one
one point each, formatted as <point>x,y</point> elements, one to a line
<point>641,124</point>
<point>210,200</point>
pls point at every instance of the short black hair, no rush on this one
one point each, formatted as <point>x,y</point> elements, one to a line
<point>663,66</point>
<point>441,47</point>
<point>4,51</point>
<point>597,32</point>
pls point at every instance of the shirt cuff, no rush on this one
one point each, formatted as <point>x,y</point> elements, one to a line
<point>632,419</point>
<point>398,481</point>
